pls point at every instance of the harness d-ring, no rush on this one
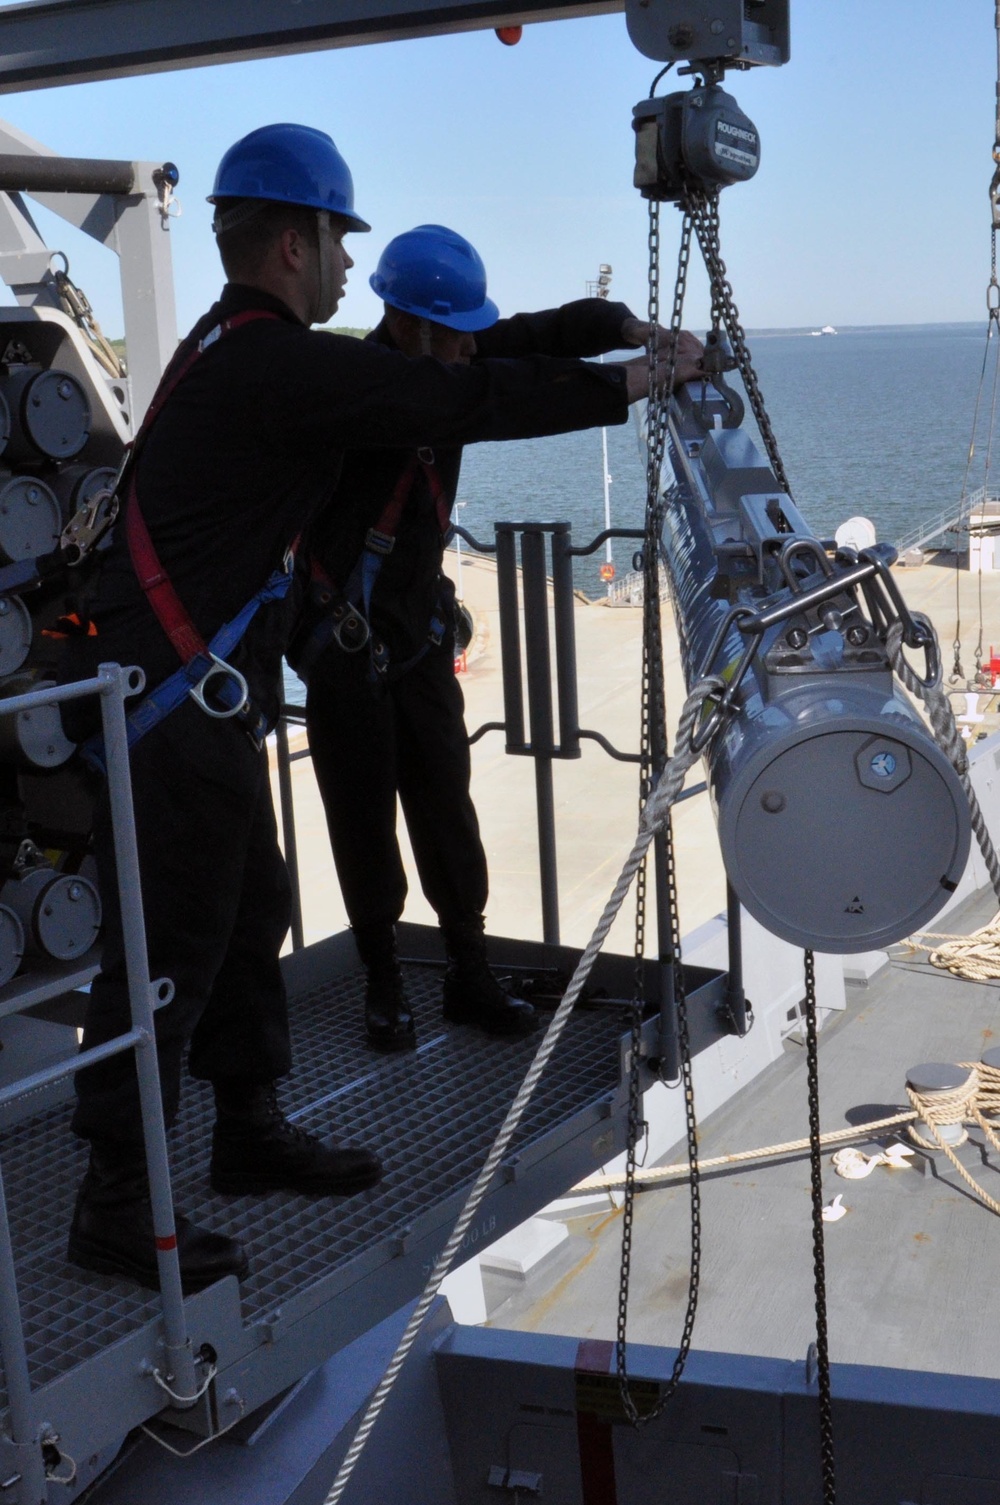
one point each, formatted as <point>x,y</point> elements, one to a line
<point>220,667</point>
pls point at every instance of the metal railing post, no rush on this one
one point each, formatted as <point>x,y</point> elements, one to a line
<point>116,682</point>
<point>536,643</point>
<point>565,631</point>
<point>510,637</point>
<point>288,825</point>
<point>22,1425</point>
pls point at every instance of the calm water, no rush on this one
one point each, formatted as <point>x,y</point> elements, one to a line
<point>873,421</point>
<point>870,421</point>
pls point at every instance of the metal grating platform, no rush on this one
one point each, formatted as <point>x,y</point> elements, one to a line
<point>431,1114</point>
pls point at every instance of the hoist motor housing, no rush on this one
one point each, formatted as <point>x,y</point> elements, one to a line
<point>699,138</point>
<point>732,33</point>
<point>843,826</point>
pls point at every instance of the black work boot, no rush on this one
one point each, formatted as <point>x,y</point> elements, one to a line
<point>388,1017</point>
<point>255,1149</point>
<point>112,1228</point>
<point>471,993</point>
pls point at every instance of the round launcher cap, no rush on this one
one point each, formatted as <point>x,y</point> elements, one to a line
<point>34,738</point>
<point>76,485</point>
<point>11,944</point>
<point>50,415</point>
<point>30,520</point>
<point>15,635</point>
<point>845,839</point>
<point>61,912</point>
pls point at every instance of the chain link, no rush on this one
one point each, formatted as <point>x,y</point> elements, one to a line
<point>704,210</point>
<point>653,752</point>
<point>819,1261</point>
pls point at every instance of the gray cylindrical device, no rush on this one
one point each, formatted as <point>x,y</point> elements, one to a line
<point>76,485</point>
<point>30,520</point>
<point>34,738</point>
<point>15,634</point>
<point>50,414</point>
<point>60,912</point>
<point>843,826</point>
<point>11,944</point>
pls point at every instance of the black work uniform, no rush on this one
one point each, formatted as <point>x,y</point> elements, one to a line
<point>375,734</point>
<point>244,453</point>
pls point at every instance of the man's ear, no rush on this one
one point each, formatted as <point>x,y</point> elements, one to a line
<point>290,249</point>
<point>404,328</point>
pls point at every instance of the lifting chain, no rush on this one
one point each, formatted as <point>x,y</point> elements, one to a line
<point>819,1261</point>
<point>76,304</point>
<point>653,752</point>
<point>704,211</point>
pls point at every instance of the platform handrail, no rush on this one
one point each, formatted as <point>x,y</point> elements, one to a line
<point>946,521</point>
<point>113,684</point>
<point>529,727</point>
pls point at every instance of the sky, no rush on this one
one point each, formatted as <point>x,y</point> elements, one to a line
<point>870,205</point>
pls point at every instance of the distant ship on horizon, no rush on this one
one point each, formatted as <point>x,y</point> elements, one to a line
<point>827,329</point>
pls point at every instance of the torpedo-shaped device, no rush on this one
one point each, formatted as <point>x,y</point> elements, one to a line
<point>843,825</point>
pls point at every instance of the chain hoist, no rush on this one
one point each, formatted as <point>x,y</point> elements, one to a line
<point>661,158</point>
<point>653,752</point>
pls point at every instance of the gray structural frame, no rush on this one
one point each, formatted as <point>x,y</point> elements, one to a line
<point>49,42</point>
<point>135,225</point>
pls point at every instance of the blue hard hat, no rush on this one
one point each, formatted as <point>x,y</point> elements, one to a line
<point>289,164</point>
<point>435,273</point>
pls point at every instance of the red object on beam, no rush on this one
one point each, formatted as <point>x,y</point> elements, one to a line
<point>509,35</point>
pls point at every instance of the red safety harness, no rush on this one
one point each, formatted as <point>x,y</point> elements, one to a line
<point>343,614</point>
<point>167,606</point>
<point>201,662</point>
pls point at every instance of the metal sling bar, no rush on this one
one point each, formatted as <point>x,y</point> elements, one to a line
<point>510,637</point>
<point>592,547</point>
<point>565,630</point>
<point>31,174</point>
<point>116,684</point>
<point>536,643</point>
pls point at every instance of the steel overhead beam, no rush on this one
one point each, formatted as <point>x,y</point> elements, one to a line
<point>48,42</point>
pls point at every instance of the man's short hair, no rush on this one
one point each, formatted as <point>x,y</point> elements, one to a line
<point>245,242</point>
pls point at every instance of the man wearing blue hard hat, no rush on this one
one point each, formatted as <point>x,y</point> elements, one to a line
<point>384,710</point>
<point>238,454</point>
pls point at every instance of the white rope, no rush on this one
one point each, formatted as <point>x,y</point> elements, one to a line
<point>654,814</point>
<point>658,1175</point>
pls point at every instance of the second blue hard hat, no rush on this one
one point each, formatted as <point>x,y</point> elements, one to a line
<point>289,164</point>
<point>435,273</point>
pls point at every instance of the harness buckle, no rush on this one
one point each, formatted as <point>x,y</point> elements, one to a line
<point>220,667</point>
<point>349,628</point>
<point>379,543</point>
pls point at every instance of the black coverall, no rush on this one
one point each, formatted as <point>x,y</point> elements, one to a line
<point>403,731</point>
<point>245,452</point>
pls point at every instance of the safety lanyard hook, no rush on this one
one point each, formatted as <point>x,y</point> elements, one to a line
<point>220,669</point>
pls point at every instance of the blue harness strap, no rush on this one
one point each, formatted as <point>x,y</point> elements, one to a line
<point>229,686</point>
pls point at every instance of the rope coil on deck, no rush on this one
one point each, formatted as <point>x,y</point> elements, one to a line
<point>978,1097</point>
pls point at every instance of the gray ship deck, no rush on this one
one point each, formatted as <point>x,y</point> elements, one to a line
<point>911,1269</point>
<point>321,1272</point>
